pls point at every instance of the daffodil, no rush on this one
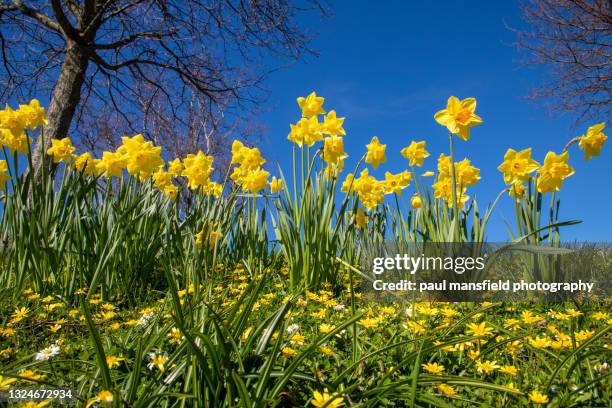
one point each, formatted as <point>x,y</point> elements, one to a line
<point>34,114</point>
<point>518,166</point>
<point>13,121</point>
<point>593,141</point>
<point>395,183</point>
<point>111,164</point>
<point>312,105</point>
<point>376,153</point>
<point>276,185</point>
<point>361,219</point>
<point>416,202</point>
<point>415,153</point>
<point>333,149</point>
<point>197,169</point>
<point>61,150</point>
<point>553,172</point>
<point>86,163</point>
<point>255,181</point>
<point>332,125</point>
<point>4,176</point>
<point>517,190</point>
<point>142,157</point>
<point>176,167</point>
<point>459,116</point>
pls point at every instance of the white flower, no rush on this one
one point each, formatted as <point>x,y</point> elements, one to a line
<point>144,319</point>
<point>47,353</point>
<point>338,307</point>
<point>292,328</point>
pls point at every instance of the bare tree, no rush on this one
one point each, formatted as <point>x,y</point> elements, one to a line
<point>574,38</point>
<point>177,70</point>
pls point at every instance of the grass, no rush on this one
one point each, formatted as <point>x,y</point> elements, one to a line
<point>226,294</point>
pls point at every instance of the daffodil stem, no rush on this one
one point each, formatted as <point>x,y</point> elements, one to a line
<point>454,186</point>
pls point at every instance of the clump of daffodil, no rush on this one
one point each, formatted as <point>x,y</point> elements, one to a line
<point>111,164</point>
<point>395,183</point>
<point>142,158</point>
<point>13,125</point>
<point>86,164</point>
<point>208,235</point>
<point>248,174</point>
<point>555,169</point>
<point>370,191</point>
<point>459,116</point>
<point>593,141</point>
<point>465,176</point>
<point>415,153</point>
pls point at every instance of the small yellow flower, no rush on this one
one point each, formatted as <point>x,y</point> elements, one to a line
<point>486,366</point>
<point>481,329</point>
<point>33,404</point>
<point>326,399</point>
<point>433,368</point>
<point>103,398</point>
<point>113,361</point>
<point>288,352</point>
<point>369,322</point>
<point>446,389</point>
<point>538,398</point>
<point>508,369</point>
<point>416,202</point>
<point>158,361</point>
<point>5,382</point>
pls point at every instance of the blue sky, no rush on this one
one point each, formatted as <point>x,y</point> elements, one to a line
<point>388,68</point>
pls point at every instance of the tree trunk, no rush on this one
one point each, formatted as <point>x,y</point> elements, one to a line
<point>65,99</point>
